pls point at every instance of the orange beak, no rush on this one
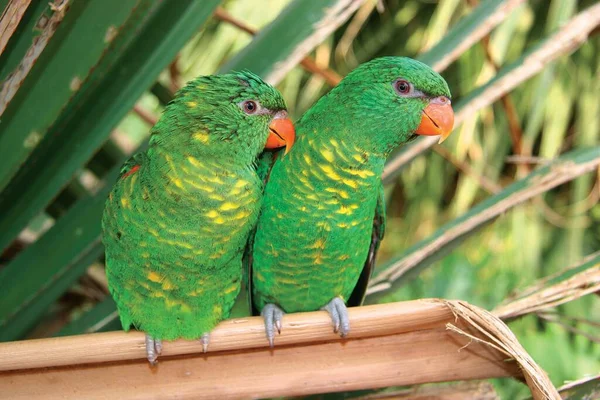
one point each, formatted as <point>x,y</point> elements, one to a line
<point>281,132</point>
<point>437,119</point>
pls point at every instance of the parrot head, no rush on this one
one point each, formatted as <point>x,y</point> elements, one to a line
<point>231,116</point>
<point>389,100</point>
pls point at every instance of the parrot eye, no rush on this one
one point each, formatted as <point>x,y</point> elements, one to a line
<point>403,87</point>
<point>249,107</point>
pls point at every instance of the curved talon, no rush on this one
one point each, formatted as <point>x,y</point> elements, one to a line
<point>153,349</point>
<point>339,316</point>
<point>272,316</point>
<point>205,339</point>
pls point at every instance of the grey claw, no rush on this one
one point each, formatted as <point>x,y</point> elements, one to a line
<point>204,340</point>
<point>272,315</point>
<point>153,349</point>
<point>339,316</point>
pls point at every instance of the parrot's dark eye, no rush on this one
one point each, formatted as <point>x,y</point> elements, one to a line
<point>403,87</point>
<point>249,107</point>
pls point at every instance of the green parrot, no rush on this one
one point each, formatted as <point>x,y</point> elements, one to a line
<point>323,213</point>
<point>178,218</point>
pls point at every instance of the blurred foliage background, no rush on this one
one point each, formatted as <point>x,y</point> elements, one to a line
<point>53,177</point>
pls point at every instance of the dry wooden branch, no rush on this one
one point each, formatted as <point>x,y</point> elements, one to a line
<point>463,390</point>
<point>539,298</point>
<point>14,81</point>
<point>390,345</point>
<point>500,337</point>
<point>11,16</point>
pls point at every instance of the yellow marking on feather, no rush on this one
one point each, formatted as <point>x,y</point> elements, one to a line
<point>196,185</point>
<point>231,289</point>
<point>167,285</point>
<point>318,244</point>
<point>132,180</point>
<point>217,197</point>
<point>157,294</point>
<point>219,220</point>
<point>240,183</point>
<point>259,276</point>
<point>328,155</point>
<point>345,210</point>
<point>162,214</point>
<point>154,277</point>
<point>342,225</point>
<point>153,232</point>
<point>343,257</point>
<point>273,252</point>
<point>229,206</point>
<point>191,104</point>
<point>145,255</point>
<point>334,142</point>
<point>177,182</point>
<point>201,137</point>
<point>214,179</point>
<point>241,215</point>
<point>287,280</point>
<point>171,165</point>
<point>307,159</point>
<point>350,183</point>
<point>312,197</point>
<point>162,225</point>
<point>354,223</point>
<point>125,202</point>
<point>217,254</point>
<point>358,157</point>
<point>305,181</point>
<point>342,193</point>
<point>143,244</point>
<point>170,303</point>
<point>361,173</point>
<point>329,172</point>
<point>324,225</point>
<point>318,259</point>
<point>195,162</point>
<point>217,309</point>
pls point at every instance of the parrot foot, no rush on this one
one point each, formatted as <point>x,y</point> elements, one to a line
<point>204,339</point>
<point>153,349</point>
<point>272,315</point>
<point>339,316</point>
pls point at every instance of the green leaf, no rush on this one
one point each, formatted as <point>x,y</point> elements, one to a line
<point>423,253</point>
<point>85,124</point>
<point>299,28</point>
<point>102,317</point>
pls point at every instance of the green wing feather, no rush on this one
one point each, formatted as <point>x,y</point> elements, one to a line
<point>244,304</point>
<point>358,294</point>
